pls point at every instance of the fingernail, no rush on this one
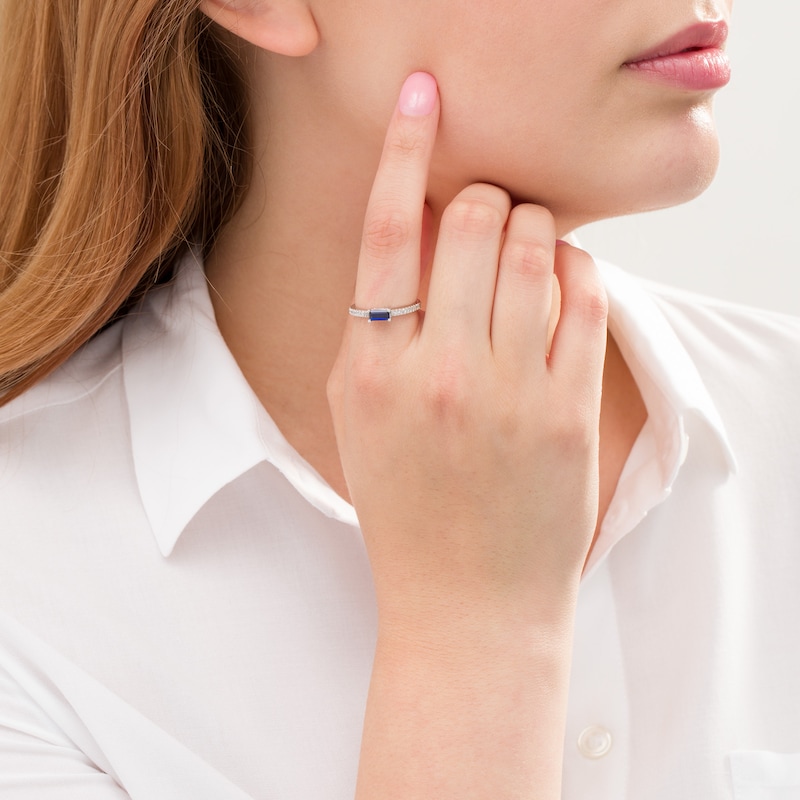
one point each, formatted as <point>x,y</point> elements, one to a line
<point>560,241</point>
<point>418,97</point>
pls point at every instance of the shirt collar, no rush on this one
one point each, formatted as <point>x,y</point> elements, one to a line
<point>196,424</point>
<point>664,371</point>
<point>676,400</point>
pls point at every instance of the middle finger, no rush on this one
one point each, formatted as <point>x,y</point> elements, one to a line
<point>465,264</point>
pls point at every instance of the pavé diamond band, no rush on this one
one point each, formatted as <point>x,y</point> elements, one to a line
<point>383,314</point>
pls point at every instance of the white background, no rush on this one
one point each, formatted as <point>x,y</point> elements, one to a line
<point>738,240</point>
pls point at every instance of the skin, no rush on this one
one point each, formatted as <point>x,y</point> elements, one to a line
<point>488,407</point>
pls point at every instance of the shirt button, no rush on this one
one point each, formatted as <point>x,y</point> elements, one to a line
<point>594,742</point>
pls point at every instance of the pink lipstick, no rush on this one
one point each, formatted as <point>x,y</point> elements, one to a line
<point>693,59</point>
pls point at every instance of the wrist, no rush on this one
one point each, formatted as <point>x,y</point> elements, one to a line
<point>463,708</point>
<point>455,628</point>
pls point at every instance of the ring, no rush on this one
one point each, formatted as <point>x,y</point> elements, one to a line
<point>383,314</point>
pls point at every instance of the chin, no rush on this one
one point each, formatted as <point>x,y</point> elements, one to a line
<point>688,165</point>
<point>666,173</point>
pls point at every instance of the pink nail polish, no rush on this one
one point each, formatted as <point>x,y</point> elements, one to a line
<point>418,97</point>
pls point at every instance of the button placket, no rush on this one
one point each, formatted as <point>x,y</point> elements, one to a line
<point>597,743</point>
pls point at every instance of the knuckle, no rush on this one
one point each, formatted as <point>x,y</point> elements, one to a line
<point>334,388</point>
<point>408,142</point>
<point>571,430</point>
<point>474,216</point>
<point>445,393</point>
<point>387,230</point>
<point>366,379</point>
<point>528,257</point>
<point>598,305</point>
<point>586,295</point>
<point>511,419</point>
<point>594,305</point>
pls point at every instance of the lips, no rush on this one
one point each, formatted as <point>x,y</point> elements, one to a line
<point>702,36</point>
<point>693,59</point>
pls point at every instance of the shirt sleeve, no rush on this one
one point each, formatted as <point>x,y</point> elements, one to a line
<point>38,761</point>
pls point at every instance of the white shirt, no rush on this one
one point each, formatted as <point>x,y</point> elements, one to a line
<point>187,611</point>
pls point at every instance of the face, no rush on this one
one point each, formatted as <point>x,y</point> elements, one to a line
<point>536,96</point>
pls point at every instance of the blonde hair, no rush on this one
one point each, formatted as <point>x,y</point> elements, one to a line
<point>122,140</point>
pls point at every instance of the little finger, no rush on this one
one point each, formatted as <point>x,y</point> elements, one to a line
<point>578,351</point>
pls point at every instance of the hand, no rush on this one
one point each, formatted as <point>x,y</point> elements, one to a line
<point>470,449</point>
<point>470,452</point>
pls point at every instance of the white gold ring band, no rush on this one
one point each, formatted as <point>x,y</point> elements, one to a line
<point>383,314</point>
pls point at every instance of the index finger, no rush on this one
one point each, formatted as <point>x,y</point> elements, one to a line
<point>389,264</point>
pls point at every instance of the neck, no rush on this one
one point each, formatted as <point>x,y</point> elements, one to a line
<point>282,271</point>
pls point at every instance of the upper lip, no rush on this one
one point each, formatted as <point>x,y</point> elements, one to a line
<point>700,36</point>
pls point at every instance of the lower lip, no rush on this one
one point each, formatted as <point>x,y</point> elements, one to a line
<point>697,70</point>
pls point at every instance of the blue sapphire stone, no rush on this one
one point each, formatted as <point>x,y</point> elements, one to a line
<point>380,315</point>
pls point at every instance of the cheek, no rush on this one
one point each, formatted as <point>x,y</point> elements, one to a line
<point>502,67</point>
<point>529,92</point>
<point>525,130</point>
<point>501,56</point>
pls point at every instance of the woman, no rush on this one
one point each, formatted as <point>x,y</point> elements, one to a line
<point>255,546</point>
